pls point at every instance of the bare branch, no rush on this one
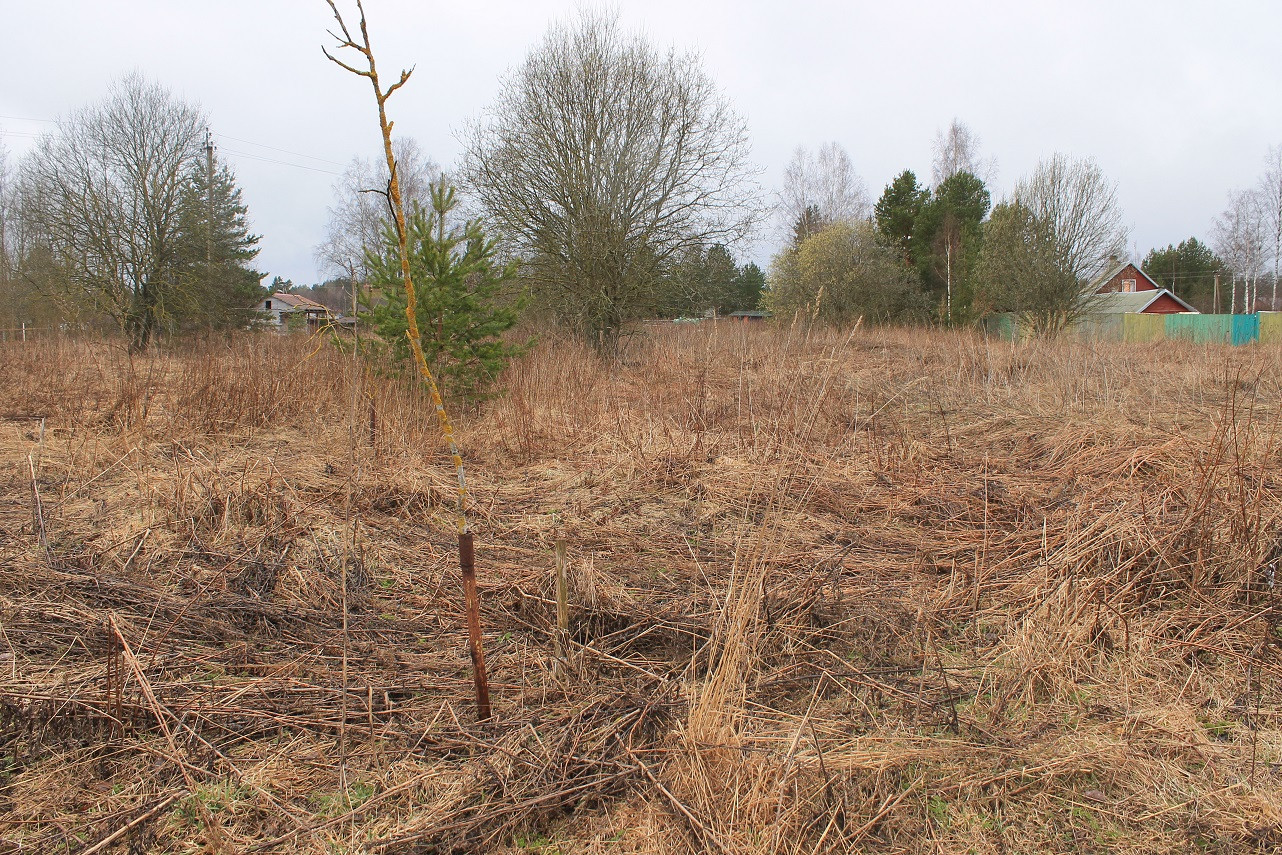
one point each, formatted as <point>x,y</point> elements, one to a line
<point>343,65</point>
<point>405,76</point>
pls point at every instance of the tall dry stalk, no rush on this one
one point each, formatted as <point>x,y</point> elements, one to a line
<point>466,560</point>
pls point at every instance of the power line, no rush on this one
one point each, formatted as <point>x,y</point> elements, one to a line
<point>280,162</point>
<point>28,119</point>
<point>281,150</point>
<point>34,135</point>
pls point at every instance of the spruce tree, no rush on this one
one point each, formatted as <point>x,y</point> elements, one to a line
<point>215,287</point>
<point>749,282</point>
<point>462,290</point>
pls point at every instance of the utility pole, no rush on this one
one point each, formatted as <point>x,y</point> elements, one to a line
<point>1217,292</point>
<point>209,224</point>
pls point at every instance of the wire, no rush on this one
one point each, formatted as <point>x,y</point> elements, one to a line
<point>34,135</point>
<point>281,162</point>
<point>281,150</point>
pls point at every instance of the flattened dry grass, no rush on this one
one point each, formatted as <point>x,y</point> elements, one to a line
<point>903,591</point>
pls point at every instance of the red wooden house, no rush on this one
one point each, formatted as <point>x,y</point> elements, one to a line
<point>1126,288</point>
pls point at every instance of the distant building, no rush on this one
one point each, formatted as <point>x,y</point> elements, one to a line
<point>1149,302</point>
<point>748,315</point>
<point>1124,278</point>
<point>285,311</point>
<point>1127,289</point>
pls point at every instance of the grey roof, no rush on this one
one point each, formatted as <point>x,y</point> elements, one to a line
<point>1118,268</point>
<point>298,301</point>
<point>1124,302</point>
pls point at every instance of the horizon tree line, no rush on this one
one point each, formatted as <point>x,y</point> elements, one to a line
<point>575,175</point>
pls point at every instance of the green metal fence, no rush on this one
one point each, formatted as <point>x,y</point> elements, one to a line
<point>1200,329</point>
<point>1133,327</point>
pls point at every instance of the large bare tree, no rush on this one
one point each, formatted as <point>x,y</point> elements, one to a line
<point>820,189</point>
<point>106,194</point>
<point>602,159</point>
<point>1044,247</point>
<point>1079,207</point>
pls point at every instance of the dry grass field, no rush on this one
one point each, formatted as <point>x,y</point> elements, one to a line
<point>889,591</point>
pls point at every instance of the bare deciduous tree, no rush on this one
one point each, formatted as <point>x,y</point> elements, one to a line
<point>1047,245</point>
<point>360,211</point>
<point>1079,208</point>
<point>1271,203</point>
<point>821,189</point>
<point>957,150</point>
<point>602,159</point>
<point>1239,237</point>
<point>6,215</point>
<point>106,195</point>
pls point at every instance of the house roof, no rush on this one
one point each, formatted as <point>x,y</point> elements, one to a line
<point>297,301</point>
<point>1118,268</point>
<point>1123,302</point>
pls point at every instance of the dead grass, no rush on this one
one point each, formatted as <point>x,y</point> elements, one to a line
<point>893,590</point>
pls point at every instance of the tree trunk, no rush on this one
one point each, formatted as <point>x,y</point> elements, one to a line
<point>948,282</point>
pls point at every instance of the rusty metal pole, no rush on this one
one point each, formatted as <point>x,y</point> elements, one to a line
<point>467,563</point>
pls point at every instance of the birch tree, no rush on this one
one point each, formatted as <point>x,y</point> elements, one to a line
<point>820,189</point>
<point>957,150</point>
<point>1240,240</point>
<point>1270,191</point>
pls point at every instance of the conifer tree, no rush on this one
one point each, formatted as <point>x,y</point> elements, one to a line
<point>897,209</point>
<point>216,287</point>
<point>462,293</point>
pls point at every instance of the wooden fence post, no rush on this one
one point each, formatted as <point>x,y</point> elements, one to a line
<point>561,638</point>
<point>467,563</point>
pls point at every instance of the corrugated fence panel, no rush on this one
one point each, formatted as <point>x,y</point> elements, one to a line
<point>1270,327</point>
<point>1246,328</point>
<point>1100,328</point>
<point>1137,328</point>
<point>1202,329</point>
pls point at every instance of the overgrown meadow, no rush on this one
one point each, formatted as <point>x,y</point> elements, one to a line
<point>898,591</point>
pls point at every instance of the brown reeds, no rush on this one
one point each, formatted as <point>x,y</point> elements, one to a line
<point>901,591</point>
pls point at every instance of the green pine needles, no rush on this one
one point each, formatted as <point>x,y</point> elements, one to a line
<point>466,296</point>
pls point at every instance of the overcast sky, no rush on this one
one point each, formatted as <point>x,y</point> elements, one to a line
<point>1177,101</point>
